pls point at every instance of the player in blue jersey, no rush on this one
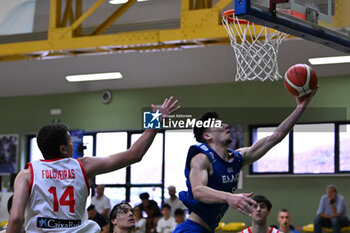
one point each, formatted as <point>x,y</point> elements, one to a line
<point>212,171</point>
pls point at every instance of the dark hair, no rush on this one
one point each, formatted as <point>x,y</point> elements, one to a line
<point>114,213</point>
<point>91,207</point>
<point>50,138</point>
<point>144,196</point>
<point>165,205</point>
<point>199,131</point>
<point>179,211</point>
<point>283,210</point>
<point>262,199</point>
<point>9,204</point>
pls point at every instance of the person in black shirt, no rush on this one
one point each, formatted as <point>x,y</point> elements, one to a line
<point>100,219</point>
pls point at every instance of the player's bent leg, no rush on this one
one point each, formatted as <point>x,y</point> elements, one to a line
<point>189,227</point>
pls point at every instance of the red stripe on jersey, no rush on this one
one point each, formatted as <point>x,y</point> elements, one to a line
<point>85,177</point>
<point>247,230</point>
<point>30,166</point>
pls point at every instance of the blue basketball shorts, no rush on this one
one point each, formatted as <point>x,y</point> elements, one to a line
<point>190,227</point>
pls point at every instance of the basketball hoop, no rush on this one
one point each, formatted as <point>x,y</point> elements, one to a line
<point>256,48</point>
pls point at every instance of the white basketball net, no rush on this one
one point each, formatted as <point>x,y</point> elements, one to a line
<point>256,51</point>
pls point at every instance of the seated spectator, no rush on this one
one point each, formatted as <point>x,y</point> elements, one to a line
<point>121,219</point>
<point>259,216</point>
<point>101,202</point>
<point>100,219</point>
<point>140,222</point>
<point>332,212</point>
<point>9,206</point>
<point>284,221</point>
<point>147,202</point>
<point>152,210</point>
<point>180,216</point>
<point>152,219</point>
<point>174,201</point>
<point>167,223</point>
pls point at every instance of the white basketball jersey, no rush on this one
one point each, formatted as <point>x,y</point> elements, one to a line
<point>58,192</point>
<point>272,230</point>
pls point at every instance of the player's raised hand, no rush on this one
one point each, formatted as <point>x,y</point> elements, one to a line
<point>242,203</point>
<point>168,107</point>
<point>305,100</point>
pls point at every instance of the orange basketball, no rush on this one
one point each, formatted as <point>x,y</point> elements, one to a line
<point>300,80</point>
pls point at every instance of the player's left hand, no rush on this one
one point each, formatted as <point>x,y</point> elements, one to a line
<point>167,107</point>
<point>242,203</point>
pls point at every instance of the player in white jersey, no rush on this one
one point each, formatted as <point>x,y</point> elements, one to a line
<point>60,190</point>
<point>50,195</point>
<point>259,216</point>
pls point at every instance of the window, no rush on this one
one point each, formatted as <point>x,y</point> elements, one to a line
<point>308,149</point>
<point>88,141</point>
<point>276,160</point>
<point>35,153</point>
<point>155,193</point>
<point>108,144</point>
<point>314,148</point>
<point>149,169</point>
<point>115,195</point>
<point>344,148</point>
<point>177,143</point>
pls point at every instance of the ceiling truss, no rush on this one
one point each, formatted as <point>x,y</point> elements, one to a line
<point>200,25</point>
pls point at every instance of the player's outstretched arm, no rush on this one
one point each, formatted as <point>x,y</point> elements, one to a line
<point>260,147</point>
<point>19,202</point>
<point>98,165</point>
<point>200,169</point>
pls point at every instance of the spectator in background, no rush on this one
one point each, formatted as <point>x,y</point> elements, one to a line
<point>100,219</point>
<point>174,201</point>
<point>167,223</point>
<point>140,222</point>
<point>152,218</point>
<point>331,212</point>
<point>121,219</point>
<point>284,222</point>
<point>146,202</point>
<point>9,205</point>
<point>179,216</point>
<point>101,202</point>
<point>259,216</point>
<point>152,210</point>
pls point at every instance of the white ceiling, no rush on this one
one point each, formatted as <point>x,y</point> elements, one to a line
<point>213,64</point>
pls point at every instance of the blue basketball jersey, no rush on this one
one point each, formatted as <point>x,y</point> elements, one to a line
<point>224,178</point>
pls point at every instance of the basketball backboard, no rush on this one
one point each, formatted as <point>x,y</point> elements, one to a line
<point>323,21</point>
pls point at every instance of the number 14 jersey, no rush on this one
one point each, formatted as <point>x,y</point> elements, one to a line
<point>57,196</point>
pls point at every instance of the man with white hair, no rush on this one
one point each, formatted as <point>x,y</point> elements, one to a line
<point>332,212</point>
<point>174,201</point>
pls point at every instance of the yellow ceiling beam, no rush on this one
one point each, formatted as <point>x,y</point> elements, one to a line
<point>197,27</point>
<point>68,14</point>
<point>55,14</point>
<point>111,19</point>
<point>83,17</point>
